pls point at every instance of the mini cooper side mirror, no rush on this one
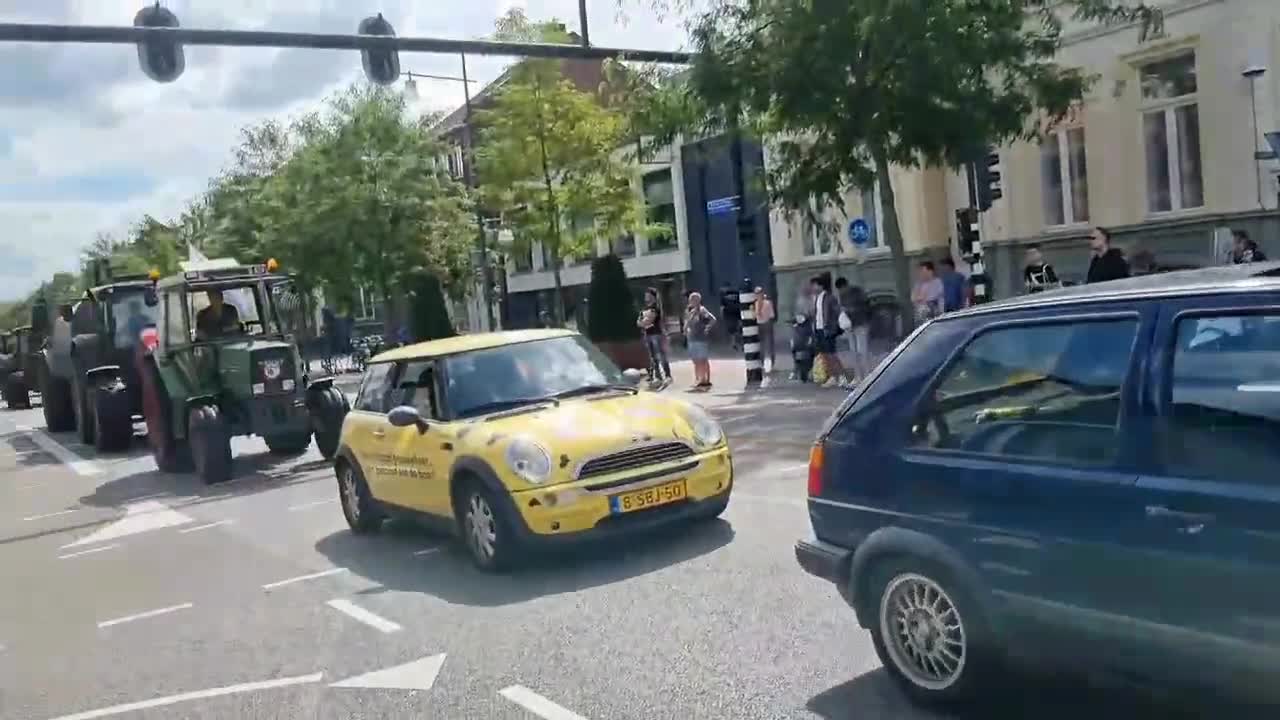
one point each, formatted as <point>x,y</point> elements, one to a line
<point>407,416</point>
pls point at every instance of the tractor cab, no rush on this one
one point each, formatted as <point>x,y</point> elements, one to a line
<point>223,364</point>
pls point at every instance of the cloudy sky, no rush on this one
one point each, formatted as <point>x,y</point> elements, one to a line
<point>88,143</point>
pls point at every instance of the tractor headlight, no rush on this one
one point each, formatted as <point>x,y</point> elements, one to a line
<point>705,429</point>
<point>529,460</point>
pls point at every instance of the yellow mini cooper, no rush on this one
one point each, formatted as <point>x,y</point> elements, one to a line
<point>521,439</point>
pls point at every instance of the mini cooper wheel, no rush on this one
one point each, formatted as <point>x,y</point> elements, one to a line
<point>357,503</point>
<point>927,633</point>
<point>484,528</point>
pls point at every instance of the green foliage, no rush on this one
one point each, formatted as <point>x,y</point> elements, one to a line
<point>612,308</point>
<point>428,312</point>
<point>841,91</point>
<point>62,287</point>
<point>548,158</point>
<point>351,191</point>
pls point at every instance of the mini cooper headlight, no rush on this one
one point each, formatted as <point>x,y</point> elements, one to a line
<point>529,460</point>
<point>705,429</point>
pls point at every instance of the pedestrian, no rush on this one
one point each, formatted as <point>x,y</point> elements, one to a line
<point>651,329</point>
<point>857,309</point>
<point>1038,275</point>
<point>765,317</point>
<point>826,326</point>
<point>698,322</point>
<point>927,296</point>
<point>731,311</point>
<point>1244,249</point>
<point>802,347</point>
<point>1108,262</point>
<point>953,286</point>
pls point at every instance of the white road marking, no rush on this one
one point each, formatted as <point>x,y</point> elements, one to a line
<point>427,551</point>
<point>147,614</point>
<point>538,705</point>
<point>206,526</point>
<point>417,675</point>
<point>313,503</point>
<point>49,515</point>
<point>86,552</point>
<point>358,613</point>
<point>301,578</point>
<point>138,517</point>
<point>197,695</point>
<point>78,465</point>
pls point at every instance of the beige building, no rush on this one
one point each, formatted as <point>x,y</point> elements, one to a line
<point>1162,152</point>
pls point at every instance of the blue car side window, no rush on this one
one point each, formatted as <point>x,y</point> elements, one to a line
<point>1224,404</point>
<point>1047,391</point>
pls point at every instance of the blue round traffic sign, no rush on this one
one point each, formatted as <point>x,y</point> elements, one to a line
<point>859,232</point>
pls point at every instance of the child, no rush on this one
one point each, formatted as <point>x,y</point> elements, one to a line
<point>802,347</point>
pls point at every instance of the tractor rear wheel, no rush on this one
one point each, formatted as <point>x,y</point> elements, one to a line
<point>59,416</point>
<point>289,444</point>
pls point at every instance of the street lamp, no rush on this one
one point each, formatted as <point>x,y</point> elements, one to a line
<point>1253,72</point>
<point>482,243</point>
<point>411,85</point>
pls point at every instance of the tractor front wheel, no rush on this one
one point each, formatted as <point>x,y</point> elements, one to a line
<point>210,441</point>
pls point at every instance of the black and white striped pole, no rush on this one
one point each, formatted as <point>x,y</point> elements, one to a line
<point>750,333</point>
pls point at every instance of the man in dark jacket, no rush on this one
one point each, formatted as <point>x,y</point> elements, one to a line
<point>1108,263</point>
<point>1245,249</point>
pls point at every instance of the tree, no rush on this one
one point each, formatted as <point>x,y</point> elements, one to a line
<point>428,312</point>
<point>842,91</point>
<point>612,308</point>
<point>548,159</point>
<point>351,191</point>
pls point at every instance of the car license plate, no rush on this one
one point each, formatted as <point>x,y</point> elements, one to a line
<point>648,497</point>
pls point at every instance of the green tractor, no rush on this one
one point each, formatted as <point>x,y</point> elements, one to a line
<point>27,362</point>
<point>90,381</point>
<point>220,363</point>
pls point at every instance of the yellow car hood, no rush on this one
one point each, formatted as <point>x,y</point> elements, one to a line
<point>580,428</point>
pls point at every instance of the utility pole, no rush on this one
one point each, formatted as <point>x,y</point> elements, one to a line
<point>469,176</point>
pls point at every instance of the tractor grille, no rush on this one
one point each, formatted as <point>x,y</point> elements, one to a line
<point>634,458</point>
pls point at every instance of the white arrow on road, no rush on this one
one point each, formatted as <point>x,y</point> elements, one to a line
<point>417,675</point>
<point>138,517</point>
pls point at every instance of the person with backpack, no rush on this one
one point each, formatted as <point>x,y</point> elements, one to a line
<point>802,347</point>
<point>856,310</point>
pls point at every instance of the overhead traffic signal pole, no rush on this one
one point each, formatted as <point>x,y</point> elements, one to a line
<point>128,35</point>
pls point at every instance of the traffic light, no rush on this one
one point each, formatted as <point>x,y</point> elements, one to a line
<point>966,235</point>
<point>747,233</point>
<point>987,170</point>
<point>382,67</point>
<point>161,59</point>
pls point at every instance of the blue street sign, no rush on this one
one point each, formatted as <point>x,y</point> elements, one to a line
<point>859,232</point>
<point>722,206</point>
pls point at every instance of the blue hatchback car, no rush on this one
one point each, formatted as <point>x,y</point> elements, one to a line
<point>1089,476</point>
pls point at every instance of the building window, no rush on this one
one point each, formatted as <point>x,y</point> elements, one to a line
<point>546,256</point>
<point>660,208</point>
<point>821,229</point>
<point>454,160</point>
<point>522,257</point>
<point>366,305</point>
<point>1171,134</point>
<point>579,227</point>
<point>623,245</point>
<point>1065,177</point>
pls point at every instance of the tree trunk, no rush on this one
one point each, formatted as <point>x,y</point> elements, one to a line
<point>893,236</point>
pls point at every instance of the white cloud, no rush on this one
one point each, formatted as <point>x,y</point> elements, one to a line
<point>70,112</point>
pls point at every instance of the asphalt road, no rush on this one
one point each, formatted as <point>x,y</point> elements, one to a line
<point>125,592</point>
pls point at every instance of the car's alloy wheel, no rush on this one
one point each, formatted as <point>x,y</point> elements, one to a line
<point>922,629</point>
<point>482,528</point>
<point>350,495</point>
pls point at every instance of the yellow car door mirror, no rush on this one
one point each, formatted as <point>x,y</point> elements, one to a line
<point>407,416</point>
